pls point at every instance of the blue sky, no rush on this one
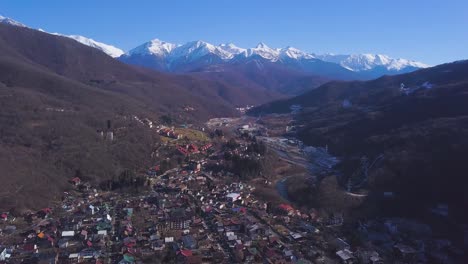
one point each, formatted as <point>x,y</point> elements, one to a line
<point>429,31</point>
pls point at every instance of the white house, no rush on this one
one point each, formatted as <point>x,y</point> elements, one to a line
<point>233,196</point>
<point>5,254</point>
<point>68,233</point>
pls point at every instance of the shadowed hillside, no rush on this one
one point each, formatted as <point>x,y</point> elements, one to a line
<point>56,93</point>
<point>421,129</point>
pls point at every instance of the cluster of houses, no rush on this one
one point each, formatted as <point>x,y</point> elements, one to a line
<point>244,109</point>
<point>80,229</point>
<point>193,149</point>
<point>188,149</point>
<point>192,215</point>
<point>169,132</point>
<point>221,222</point>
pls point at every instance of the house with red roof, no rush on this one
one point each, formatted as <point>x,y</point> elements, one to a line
<point>182,150</point>
<point>4,216</point>
<point>206,147</point>
<point>75,181</point>
<point>286,208</point>
<point>186,252</point>
<point>193,148</point>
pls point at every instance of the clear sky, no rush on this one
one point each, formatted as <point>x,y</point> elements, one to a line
<point>425,30</point>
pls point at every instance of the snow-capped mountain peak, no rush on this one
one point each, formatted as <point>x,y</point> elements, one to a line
<point>174,55</point>
<point>194,45</point>
<point>168,53</point>
<point>262,45</point>
<point>294,53</point>
<point>108,49</point>
<point>365,62</point>
<point>263,51</point>
<point>231,48</point>
<point>154,47</point>
<point>9,21</point>
<point>197,49</point>
<point>398,64</point>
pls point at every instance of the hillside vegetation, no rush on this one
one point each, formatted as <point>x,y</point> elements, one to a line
<point>55,94</point>
<point>421,130</point>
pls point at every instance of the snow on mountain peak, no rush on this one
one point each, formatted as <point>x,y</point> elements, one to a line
<point>154,47</point>
<point>365,62</point>
<point>294,53</point>
<point>262,45</point>
<point>193,50</point>
<point>231,48</point>
<point>263,51</point>
<point>108,49</point>
<point>196,49</point>
<point>9,21</point>
<point>398,64</point>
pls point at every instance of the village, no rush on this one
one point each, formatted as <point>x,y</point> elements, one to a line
<point>196,212</point>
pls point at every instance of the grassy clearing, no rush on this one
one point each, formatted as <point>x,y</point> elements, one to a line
<point>193,135</point>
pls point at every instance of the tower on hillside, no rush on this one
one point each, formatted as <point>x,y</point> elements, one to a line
<point>109,133</point>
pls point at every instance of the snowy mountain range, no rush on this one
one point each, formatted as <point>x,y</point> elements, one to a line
<point>165,56</point>
<point>364,62</point>
<point>197,55</point>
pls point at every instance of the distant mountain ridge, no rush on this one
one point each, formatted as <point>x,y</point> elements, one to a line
<point>196,56</point>
<point>194,49</point>
<point>273,72</point>
<point>165,56</point>
<point>9,21</point>
<point>364,62</point>
<point>108,49</point>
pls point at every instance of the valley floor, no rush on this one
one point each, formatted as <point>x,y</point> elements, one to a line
<point>191,213</point>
